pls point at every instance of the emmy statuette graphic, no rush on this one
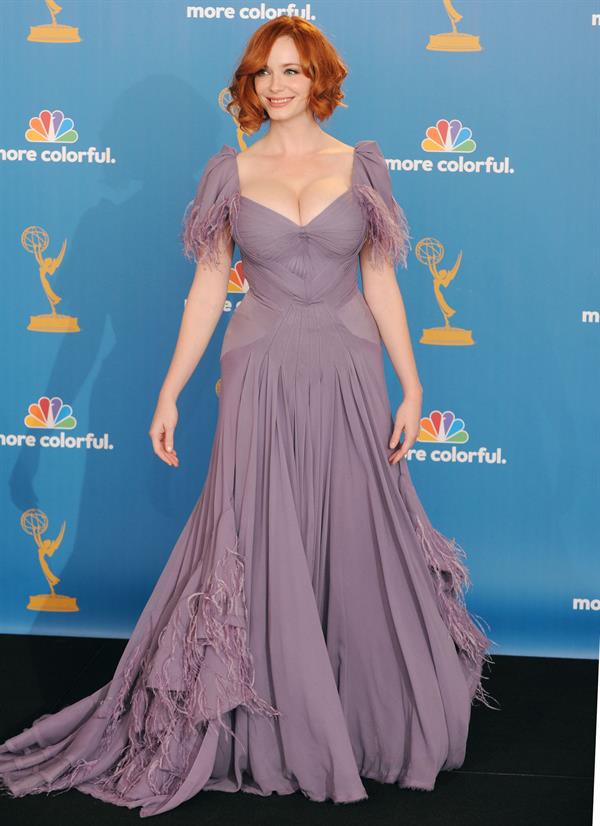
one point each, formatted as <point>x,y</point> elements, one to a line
<point>54,32</point>
<point>224,100</point>
<point>453,41</point>
<point>35,523</point>
<point>35,240</point>
<point>430,252</point>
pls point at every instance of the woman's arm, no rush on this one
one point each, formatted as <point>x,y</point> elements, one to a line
<point>382,294</point>
<point>203,309</point>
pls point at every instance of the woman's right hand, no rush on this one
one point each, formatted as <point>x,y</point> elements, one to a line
<point>162,430</point>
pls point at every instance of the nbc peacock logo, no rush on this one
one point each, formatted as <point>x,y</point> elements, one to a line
<point>51,127</point>
<point>50,414</point>
<point>444,427</point>
<point>237,280</point>
<point>448,136</point>
<point>451,145</point>
<point>55,134</point>
<point>53,423</point>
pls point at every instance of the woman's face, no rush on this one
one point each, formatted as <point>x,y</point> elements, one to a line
<point>281,85</point>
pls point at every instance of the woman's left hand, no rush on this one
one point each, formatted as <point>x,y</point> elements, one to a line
<point>407,421</point>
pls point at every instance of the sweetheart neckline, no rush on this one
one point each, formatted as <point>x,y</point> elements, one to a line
<point>284,217</point>
<point>289,220</point>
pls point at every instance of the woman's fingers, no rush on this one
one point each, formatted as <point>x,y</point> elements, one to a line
<point>168,453</point>
<point>159,436</point>
<point>169,449</point>
<point>408,442</point>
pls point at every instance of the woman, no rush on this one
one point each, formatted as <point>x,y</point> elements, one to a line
<point>309,627</point>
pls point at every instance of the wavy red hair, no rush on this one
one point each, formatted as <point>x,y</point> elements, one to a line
<point>319,60</point>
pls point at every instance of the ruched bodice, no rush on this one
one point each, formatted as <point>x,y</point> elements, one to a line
<point>315,261</point>
<point>288,265</point>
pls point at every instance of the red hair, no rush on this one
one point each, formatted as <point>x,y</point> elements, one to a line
<point>318,58</point>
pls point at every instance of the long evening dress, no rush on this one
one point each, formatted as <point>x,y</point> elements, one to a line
<point>309,627</point>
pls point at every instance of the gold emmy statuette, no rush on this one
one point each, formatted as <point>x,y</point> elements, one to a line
<point>224,101</point>
<point>35,240</point>
<point>429,251</point>
<point>453,41</point>
<point>35,522</point>
<point>54,32</point>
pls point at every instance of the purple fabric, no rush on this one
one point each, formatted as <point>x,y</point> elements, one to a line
<point>309,627</point>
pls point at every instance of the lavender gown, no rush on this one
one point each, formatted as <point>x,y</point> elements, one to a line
<point>309,626</point>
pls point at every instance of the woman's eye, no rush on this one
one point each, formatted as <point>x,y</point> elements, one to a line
<point>294,71</point>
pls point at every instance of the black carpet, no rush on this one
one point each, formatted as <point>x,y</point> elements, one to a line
<point>530,763</point>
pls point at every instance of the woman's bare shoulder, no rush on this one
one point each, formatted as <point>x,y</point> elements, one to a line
<point>340,146</point>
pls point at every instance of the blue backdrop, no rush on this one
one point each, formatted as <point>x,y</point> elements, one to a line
<point>491,140</point>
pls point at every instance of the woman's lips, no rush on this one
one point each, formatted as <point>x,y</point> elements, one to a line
<point>278,102</point>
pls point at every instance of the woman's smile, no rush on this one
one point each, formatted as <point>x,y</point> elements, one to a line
<point>279,101</point>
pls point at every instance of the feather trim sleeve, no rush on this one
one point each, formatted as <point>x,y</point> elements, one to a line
<point>388,232</point>
<point>212,212</point>
<point>387,228</point>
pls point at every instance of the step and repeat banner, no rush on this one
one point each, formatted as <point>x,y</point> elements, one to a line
<point>487,114</point>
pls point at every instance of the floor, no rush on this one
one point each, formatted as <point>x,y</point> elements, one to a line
<point>532,763</point>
